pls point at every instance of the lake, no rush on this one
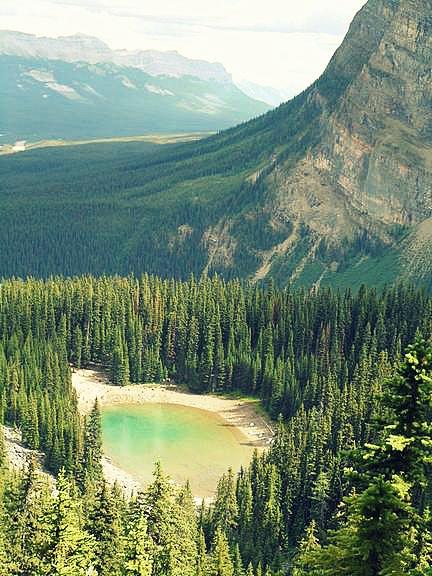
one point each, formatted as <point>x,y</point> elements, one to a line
<point>189,442</point>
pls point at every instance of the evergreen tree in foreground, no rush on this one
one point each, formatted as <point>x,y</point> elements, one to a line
<point>220,559</point>
<point>386,526</point>
<point>138,548</point>
<point>104,525</point>
<point>73,548</point>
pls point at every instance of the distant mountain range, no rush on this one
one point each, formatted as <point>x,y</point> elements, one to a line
<point>267,94</point>
<point>83,48</point>
<point>77,87</point>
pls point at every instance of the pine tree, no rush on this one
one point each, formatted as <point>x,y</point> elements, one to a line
<point>160,518</point>
<point>245,516</point>
<point>225,512</point>
<point>77,346</point>
<point>201,569</point>
<point>408,447</point>
<point>138,549</point>
<point>30,425</point>
<point>184,547</point>
<point>237,562</point>
<point>72,551</point>
<point>120,363</point>
<point>220,558</point>
<point>104,525</point>
<point>7,559</point>
<point>272,519</point>
<point>92,459</point>
<point>308,547</point>
<point>32,526</point>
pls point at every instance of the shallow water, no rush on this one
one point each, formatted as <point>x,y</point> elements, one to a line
<point>190,443</point>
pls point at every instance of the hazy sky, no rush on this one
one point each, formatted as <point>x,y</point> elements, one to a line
<point>281,43</point>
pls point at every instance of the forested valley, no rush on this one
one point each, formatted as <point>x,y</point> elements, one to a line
<point>331,187</point>
<point>347,377</point>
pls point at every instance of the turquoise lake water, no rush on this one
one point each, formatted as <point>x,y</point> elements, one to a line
<point>189,442</point>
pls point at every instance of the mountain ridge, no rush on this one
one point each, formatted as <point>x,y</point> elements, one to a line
<point>78,48</point>
<point>351,179</point>
<point>84,48</point>
<point>52,99</point>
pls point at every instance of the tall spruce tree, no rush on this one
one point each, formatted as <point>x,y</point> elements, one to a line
<point>201,568</point>
<point>220,558</point>
<point>72,549</point>
<point>92,457</point>
<point>104,525</point>
<point>138,548</point>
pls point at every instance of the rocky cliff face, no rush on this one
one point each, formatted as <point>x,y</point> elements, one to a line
<point>377,141</point>
<point>367,169</point>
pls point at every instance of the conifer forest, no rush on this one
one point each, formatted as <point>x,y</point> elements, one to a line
<point>215,338</point>
<point>344,489</point>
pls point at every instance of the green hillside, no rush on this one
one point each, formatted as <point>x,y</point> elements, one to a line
<point>128,207</point>
<point>330,188</point>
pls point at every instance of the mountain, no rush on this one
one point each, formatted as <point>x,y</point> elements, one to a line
<point>83,48</point>
<point>77,88</point>
<point>45,99</point>
<point>268,94</point>
<point>333,187</point>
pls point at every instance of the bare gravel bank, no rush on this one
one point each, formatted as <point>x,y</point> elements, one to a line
<point>18,455</point>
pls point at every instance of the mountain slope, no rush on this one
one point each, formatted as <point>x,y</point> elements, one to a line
<point>77,87</point>
<point>332,187</point>
<point>42,99</point>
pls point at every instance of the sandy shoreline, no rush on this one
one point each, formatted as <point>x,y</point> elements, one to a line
<point>92,383</point>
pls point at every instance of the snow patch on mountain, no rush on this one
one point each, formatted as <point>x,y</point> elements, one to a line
<point>205,104</point>
<point>46,78</point>
<point>158,90</point>
<point>128,83</point>
<point>91,90</point>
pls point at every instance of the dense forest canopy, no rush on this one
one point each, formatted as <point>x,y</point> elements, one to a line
<point>319,360</point>
<point>129,207</point>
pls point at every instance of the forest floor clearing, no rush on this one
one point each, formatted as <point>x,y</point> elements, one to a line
<point>22,146</point>
<point>238,412</point>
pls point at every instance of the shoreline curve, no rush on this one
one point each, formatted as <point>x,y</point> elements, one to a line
<point>92,383</point>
